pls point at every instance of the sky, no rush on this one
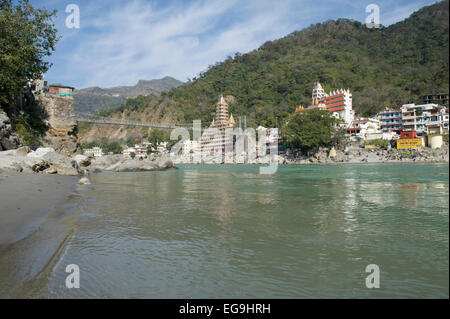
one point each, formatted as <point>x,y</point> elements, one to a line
<point>119,42</point>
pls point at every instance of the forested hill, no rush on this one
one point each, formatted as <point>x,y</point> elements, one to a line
<point>383,67</point>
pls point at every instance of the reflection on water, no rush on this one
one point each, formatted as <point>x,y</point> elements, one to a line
<point>228,232</point>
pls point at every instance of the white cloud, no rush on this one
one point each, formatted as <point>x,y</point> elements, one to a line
<point>134,41</point>
<point>122,42</point>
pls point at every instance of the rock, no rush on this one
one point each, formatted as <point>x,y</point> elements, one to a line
<point>133,165</point>
<point>41,151</point>
<point>106,163</point>
<point>8,140</point>
<point>51,170</point>
<point>84,181</point>
<point>21,151</point>
<point>82,160</point>
<point>63,164</point>
<point>40,166</point>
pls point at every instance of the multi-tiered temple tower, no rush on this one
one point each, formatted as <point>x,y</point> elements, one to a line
<point>318,93</point>
<point>214,139</point>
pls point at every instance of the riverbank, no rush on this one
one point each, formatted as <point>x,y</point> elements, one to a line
<point>363,155</point>
<point>347,156</point>
<point>26,199</point>
<point>34,225</point>
<point>48,161</point>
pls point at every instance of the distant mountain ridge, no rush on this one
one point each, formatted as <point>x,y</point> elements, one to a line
<point>96,99</point>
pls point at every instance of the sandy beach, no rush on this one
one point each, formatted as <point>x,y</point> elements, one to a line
<point>32,226</point>
<point>26,199</point>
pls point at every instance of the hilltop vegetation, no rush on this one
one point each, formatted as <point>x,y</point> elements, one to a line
<point>383,67</point>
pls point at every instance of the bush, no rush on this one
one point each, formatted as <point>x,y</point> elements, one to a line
<point>310,129</point>
<point>30,130</point>
<point>377,142</point>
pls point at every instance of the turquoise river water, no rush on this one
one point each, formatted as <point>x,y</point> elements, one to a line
<point>226,231</point>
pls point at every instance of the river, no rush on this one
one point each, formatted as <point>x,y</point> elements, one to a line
<point>225,231</point>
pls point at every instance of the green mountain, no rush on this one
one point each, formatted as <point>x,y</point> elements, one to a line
<point>383,67</point>
<point>95,99</point>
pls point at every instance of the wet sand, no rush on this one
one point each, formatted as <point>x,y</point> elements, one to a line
<point>34,224</point>
<point>25,199</point>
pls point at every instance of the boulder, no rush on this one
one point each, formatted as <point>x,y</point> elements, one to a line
<point>82,160</point>
<point>133,165</point>
<point>63,164</point>
<point>51,170</point>
<point>41,151</point>
<point>84,181</point>
<point>21,151</point>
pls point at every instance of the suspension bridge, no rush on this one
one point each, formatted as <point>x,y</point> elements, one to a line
<point>93,118</point>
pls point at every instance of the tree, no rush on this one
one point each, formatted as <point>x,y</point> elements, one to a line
<point>27,36</point>
<point>133,154</point>
<point>310,128</point>
<point>114,147</point>
<point>156,136</point>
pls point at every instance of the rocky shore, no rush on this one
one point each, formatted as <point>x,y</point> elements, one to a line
<point>362,155</point>
<point>352,154</point>
<point>48,161</point>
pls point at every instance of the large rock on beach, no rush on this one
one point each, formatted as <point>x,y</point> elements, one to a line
<point>118,163</point>
<point>44,160</point>
<point>82,160</point>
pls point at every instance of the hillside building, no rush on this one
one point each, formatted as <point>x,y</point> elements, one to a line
<point>139,151</point>
<point>214,139</point>
<point>60,90</point>
<point>419,117</point>
<point>441,98</point>
<point>391,120</point>
<point>338,102</point>
<point>364,127</point>
<point>94,152</point>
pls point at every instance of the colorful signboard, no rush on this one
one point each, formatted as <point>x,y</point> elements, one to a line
<point>409,143</point>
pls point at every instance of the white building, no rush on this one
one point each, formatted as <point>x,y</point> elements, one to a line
<point>161,147</point>
<point>338,102</point>
<point>419,117</point>
<point>190,147</point>
<point>141,151</point>
<point>364,128</point>
<point>95,152</point>
<point>127,152</point>
<point>138,150</point>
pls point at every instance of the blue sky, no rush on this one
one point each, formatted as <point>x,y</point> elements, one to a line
<point>120,42</point>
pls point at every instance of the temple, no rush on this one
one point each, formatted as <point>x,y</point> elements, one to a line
<point>337,102</point>
<point>214,139</point>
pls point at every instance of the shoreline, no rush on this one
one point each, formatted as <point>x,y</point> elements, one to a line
<point>27,198</point>
<point>33,226</point>
<point>322,163</point>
